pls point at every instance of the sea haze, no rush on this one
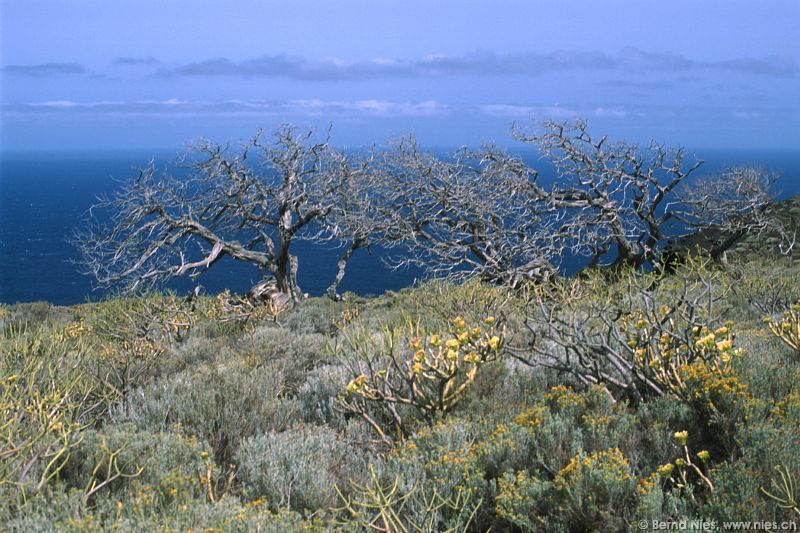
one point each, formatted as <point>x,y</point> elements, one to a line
<point>44,197</point>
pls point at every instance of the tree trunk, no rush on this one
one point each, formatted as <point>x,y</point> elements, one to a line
<point>332,291</point>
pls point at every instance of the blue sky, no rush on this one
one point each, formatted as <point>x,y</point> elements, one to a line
<point>148,74</point>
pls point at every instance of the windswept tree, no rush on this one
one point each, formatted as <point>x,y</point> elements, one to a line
<point>482,213</point>
<point>486,213</point>
<point>615,195</point>
<point>728,206</point>
<point>249,204</point>
<point>474,213</point>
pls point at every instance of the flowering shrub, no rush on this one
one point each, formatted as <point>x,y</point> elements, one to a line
<point>787,328</point>
<point>387,507</point>
<point>688,471</point>
<point>666,353</point>
<point>406,367</point>
<point>591,493</point>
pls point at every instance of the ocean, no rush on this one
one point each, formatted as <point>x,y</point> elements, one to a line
<point>45,195</point>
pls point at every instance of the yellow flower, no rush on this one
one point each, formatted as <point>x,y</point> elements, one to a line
<point>436,341</point>
<point>452,355</point>
<point>459,323</point>
<point>724,346</point>
<point>357,383</point>
<point>489,320</point>
<point>494,342</point>
<point>707,341</point>
<point>472,357</point>
<point>452,344</point>
<point>666,469</point>
<point>416,368</point>
<point>419,356</point>
<point>704,455</point>
<point>681,437</point>
<point>679,462</point>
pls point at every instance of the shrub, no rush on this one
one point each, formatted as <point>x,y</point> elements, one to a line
<point>60,510</point>
<point>389,508</point>
<point>406,367</point>
<point>298,469</point>
<point>630,334</point>
<point>318,396</point>
<point>764,288</point>
<point>787,328</point>
<point>45,400</point>
<point>223,405</point>
<point>294,353</point>
<point>595,491</point>
<point>118,457</point>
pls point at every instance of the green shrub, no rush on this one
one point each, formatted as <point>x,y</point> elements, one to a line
<point>406,367</point>
<point>46,398</point>
<point>318,396</point>
<point>593,492</point>
<point>221,404</point>
<point>63,510</point>
<point>117,457</point>
<point>298,469</point>
<point>294,353</point>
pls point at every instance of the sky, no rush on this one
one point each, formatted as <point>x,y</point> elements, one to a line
<point>85,74</point>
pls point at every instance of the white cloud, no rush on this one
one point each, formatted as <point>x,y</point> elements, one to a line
<point>371,108</point>
<point>604,112</point>
<point>555,112</point>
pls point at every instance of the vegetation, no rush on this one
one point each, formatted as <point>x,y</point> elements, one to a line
<point>407,412</point>
<point>508,402</point>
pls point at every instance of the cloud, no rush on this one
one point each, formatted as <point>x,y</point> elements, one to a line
<point>370,109</point>
<point>45,69</point>
<point>480,63</point>
<point>633,59</point>
<point>476,63</point>
<point>636,84</point>
<point>554,112</point>
<point>746,115</point>
<point>135,61</point>
<point>173,107</point>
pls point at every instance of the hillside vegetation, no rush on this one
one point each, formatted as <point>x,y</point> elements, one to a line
<point>579,405</point>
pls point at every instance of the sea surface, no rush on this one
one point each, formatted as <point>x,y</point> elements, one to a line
<point>45,195</point>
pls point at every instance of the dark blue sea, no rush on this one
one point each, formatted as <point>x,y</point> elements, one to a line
<point>45,195</point>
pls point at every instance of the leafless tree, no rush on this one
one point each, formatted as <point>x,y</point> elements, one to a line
<point>480,213</point>
<point>475,213</point>
<point>727,206</point>
<point>617,193</point>
<point>250,204</point>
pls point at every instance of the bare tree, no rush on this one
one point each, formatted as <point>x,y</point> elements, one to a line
<point>477,213</point>
<point>727,206</point>
<point>481,213</point>
<point>250,204</point>
<point>616,193</point>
